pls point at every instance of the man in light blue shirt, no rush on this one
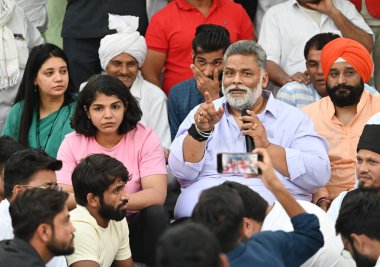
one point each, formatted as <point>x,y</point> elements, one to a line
<point>298,152</point>
<point>299,94</point>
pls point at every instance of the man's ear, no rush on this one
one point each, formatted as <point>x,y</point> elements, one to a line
<point>44,232</point>
<point>265,79</point>
<point>250,227</point>
<point>361,243</point>
<point>92,200</point>
<point>17,189</point>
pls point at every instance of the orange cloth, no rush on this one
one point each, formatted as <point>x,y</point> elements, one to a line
<point>342,139</point>
<point>351,51</point>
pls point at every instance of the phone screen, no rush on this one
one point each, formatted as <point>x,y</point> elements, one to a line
<point>238,163</point>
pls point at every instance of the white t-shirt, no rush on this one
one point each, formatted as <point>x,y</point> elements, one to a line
<point>6,229</point>
<point>330,253</point>
<point>286,28</point>
<point>94,243</point>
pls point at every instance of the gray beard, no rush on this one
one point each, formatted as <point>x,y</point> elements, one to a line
<point>245,101</point>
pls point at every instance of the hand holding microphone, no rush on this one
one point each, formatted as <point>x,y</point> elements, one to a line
<point>254,131</point>
<point>249,143</point>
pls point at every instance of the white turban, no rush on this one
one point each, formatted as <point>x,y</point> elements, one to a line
<point>126,40</point>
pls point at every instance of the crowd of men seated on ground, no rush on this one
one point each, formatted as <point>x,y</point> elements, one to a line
<point>85,155</point>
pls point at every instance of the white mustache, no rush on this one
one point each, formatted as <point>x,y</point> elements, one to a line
<point>240,87</point>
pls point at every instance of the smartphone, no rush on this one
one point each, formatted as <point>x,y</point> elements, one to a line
<point>238,163</point>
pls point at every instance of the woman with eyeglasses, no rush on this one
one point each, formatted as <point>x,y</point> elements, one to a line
<point>45,102</point>
<point>106,120</point>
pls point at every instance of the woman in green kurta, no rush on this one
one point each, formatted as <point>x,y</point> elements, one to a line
<point>45,102</point>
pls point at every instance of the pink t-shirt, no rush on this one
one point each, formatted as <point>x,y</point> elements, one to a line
<point>139,150</point>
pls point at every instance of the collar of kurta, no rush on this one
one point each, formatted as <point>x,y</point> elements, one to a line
<point>137,87</point>
<point>183,4</point>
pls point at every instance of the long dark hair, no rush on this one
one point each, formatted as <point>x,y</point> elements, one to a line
<point>109,86</point>
<point>26,91</point>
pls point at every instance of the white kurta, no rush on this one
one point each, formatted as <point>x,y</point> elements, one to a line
<point>31,37</point>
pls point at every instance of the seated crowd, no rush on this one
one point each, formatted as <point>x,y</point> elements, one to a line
<point>89,153</point>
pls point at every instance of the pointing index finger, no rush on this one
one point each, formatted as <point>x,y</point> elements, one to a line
<point>207,97</point>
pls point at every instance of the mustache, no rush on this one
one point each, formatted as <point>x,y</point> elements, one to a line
<point>123,76</point>
<point>342,86</point>
<point>240,87</point>
<point>122,204</point>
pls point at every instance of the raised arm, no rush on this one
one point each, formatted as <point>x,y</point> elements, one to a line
<point>204,120</point>
<point>344,24</point>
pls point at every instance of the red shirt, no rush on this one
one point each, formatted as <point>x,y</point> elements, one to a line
<point>172,30</point>
<point>373,7</point>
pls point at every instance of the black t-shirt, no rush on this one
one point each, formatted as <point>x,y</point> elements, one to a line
<point>18,253</point>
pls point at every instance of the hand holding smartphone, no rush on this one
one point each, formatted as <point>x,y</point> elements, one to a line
<point>238,163</point>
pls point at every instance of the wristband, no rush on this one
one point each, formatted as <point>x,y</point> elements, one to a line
<point>200,137</point>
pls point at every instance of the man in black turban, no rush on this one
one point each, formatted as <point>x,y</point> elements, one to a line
<point>368,158</point>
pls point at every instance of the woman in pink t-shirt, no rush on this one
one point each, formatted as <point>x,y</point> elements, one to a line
<point>106,121</point>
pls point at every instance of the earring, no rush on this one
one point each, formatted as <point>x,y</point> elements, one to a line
<point>35,88</point>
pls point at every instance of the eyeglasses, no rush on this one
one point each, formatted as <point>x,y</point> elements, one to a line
<point>50,187</point>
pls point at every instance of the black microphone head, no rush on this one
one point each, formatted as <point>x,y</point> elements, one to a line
<point>244,112</point>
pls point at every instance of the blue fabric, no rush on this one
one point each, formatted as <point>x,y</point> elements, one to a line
<point>182,99</point>
<point>280,249</point>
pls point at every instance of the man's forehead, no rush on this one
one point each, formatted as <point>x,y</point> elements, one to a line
<point>314,54</point>
<point>124,57</point>
<point>118,182</point>
<point>239,61</point>
<point>210,55</point>
<point>341,66</point>
<point>43,176</point>
<point>364,153</point>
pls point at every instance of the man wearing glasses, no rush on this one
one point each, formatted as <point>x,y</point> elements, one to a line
<point>25,169</point>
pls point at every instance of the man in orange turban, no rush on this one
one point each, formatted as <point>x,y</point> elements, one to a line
<point>352,52</point>
<point>341,117</point>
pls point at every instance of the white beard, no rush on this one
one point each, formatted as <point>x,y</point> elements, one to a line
<point>244,100</point>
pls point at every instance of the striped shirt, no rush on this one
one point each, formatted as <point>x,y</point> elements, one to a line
<point>300,94</point>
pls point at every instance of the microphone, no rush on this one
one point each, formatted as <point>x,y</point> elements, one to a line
<point>249,143</point>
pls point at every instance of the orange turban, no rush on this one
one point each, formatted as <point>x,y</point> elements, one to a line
<point>352,52</point>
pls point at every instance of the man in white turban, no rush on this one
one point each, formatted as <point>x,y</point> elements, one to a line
<point>121,55</point>
<point>17,37</point>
